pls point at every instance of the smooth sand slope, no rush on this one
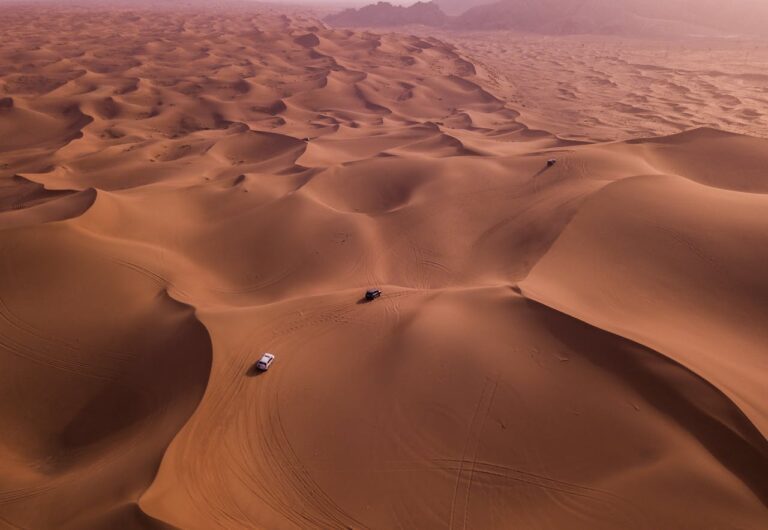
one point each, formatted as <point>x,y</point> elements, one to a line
<point>581,346</point>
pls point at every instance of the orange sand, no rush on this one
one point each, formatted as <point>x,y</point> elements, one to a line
<point>575,347</point>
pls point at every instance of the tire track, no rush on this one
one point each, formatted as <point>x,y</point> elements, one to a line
<point>471,446</point>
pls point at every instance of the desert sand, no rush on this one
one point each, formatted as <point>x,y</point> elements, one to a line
<point>582,346</point>
<point>611,88</point>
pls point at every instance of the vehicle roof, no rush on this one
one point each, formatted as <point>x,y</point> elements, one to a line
<point>373,291</point>
<point>267,356</point>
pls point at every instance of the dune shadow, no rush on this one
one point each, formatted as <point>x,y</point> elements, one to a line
<point>679,394</point>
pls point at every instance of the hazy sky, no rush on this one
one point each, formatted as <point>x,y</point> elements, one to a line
<point>290,2</point>
<point>342,2</point>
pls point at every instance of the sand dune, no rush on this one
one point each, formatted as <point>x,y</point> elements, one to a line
<point>678,262</point>
<point>612,88</point>
<point>576,346</point>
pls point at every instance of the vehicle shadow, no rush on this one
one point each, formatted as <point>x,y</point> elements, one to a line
<point>364,300</point>
<point>253,371</point>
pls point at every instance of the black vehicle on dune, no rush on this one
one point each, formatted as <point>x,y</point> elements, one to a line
<point>372,294</point>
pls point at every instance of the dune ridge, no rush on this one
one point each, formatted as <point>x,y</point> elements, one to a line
<point>209,185</point>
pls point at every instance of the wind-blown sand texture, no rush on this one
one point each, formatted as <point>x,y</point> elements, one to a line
<point>610,88</point>
<point>581,346</point>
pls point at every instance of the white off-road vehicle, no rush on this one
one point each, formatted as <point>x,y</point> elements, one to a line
<point>265,362</point>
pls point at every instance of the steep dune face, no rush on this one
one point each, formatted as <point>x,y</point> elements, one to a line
<point>710,157</point>
<point>630,255</point>
<point>574,346</point>
<point>101,369</point>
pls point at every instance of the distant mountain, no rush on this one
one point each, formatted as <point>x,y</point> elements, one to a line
<point>386,14</point>
<point>552,16</point>
<point>620,17</point>
<point>649,18</point>
<point>457,7</point>
<point>732,16</point>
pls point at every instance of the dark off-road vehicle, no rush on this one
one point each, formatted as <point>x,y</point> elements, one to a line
<point>372,294</point>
